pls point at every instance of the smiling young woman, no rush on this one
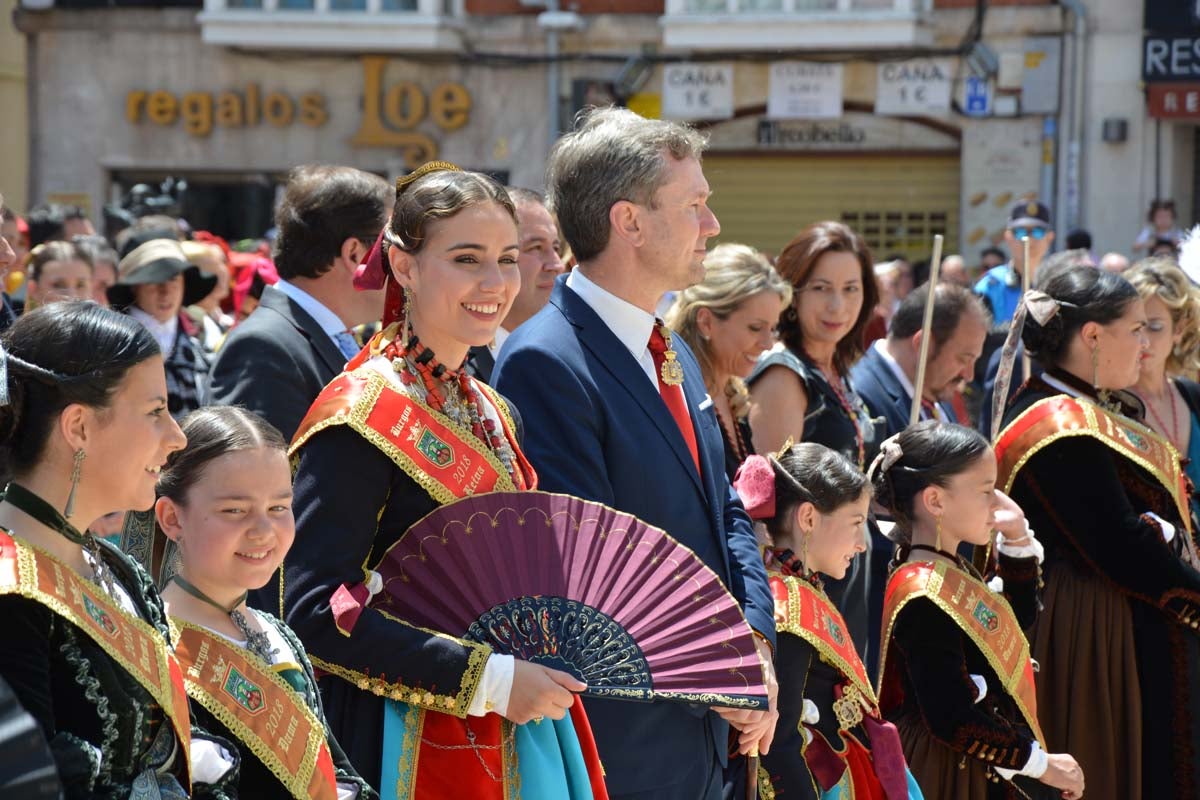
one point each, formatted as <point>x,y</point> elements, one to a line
<point>419,713</point>
<point>84,431</point>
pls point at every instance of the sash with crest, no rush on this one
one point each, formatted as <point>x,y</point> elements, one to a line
<point>803,610</point>
<point>1054,418</point>
<point>984,616</point>
<point>444,458</point>
<point>131,642</point>
<point>266,714</point>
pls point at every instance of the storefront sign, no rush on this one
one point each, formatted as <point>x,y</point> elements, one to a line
<point>697,91</point>
<point>803,90</point>
<point>814,135</point>
<point>1171,58</point>
<point>1173,100</point>
<point>915,87</point>
<point>391,113</point>
<point>246,108</point>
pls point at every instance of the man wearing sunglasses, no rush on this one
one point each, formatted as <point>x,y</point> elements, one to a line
<point>1000,287</point>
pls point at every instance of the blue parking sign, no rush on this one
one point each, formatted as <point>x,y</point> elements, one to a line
<point>978,97</point>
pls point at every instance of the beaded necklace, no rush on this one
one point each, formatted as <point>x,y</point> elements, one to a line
<point>451,393</point>
<point>844,401</point>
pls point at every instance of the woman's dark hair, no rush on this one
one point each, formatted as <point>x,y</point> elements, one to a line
<point>59,355</point>
<point>812,473</point>
<point>212,432</point>
<point>933,453</point>
<point>437,195</point>
<point>1087,295</point>
<point>796,263</point>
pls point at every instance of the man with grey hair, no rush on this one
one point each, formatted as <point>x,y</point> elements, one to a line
<point>615,411</point>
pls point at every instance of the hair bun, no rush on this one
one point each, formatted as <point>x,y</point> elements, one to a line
<point>1048,338</point>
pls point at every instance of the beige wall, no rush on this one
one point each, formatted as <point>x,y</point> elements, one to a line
<point>14,118</point>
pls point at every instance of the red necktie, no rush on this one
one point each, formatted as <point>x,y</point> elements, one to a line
<point>673,395</point>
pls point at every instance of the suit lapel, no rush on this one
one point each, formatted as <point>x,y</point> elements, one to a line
<point>627,373</point>
<point>327,351</point>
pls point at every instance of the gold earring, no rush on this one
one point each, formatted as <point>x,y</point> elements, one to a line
<point>80,455</point>
<point>804,553</point>
<point>937,540</point>
<point>1096,368</point>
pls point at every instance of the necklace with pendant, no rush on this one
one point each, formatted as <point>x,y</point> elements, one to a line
<point>257,642</point>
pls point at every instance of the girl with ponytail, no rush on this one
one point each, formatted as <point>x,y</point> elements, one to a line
<point>831,740</point>
<point>956,677</point>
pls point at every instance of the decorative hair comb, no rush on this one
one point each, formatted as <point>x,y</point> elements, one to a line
<point>423,170</point>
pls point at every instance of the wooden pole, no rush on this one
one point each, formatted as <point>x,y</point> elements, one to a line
<point>1026,272</point>
<point>935,266</point>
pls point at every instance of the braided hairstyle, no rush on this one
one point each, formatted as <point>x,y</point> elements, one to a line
<point>56,356</point>
<point>811,473</point>
<point>932,453</point>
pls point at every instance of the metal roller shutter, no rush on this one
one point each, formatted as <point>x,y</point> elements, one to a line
<point>897,202</point>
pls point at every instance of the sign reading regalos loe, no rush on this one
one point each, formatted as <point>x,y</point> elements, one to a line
<point>391,114</point>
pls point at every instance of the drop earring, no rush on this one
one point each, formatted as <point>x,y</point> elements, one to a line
<point>937,537</point>
<point>80,455</point>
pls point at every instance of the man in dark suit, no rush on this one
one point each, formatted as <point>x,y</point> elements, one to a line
<point>539,262</point>
<point>885,375</point>
<point>278,360</point>
<point>607,418</point>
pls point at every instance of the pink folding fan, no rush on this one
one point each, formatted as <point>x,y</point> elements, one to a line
<point>579,587</point>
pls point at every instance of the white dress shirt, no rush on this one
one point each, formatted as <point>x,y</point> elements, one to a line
<point>328,321</point>
<point>630,324</point>
<point>880,346</point>
<point>163,332</point>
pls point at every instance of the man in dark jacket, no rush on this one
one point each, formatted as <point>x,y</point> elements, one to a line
<point>278,360</point>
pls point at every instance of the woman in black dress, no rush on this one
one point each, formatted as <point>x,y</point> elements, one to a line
<point>800,389</point>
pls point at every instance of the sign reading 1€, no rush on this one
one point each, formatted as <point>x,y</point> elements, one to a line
<point>390,117</point>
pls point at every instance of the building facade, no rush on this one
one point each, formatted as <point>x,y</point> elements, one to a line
<point>904,118</point>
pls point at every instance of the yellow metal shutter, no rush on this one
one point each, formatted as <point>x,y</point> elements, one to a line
<point>897,202</point>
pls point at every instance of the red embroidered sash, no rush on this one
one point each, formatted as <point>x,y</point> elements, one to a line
<point>444,458</point>
<point>1057,417</point>
<point>984,616</point>
<point>131,642</point>
<point>802,610</point>
<point>266,714</point>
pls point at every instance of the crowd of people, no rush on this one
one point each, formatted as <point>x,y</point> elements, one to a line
<point>208,454</point>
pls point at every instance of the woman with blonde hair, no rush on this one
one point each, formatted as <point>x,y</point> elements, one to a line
<point>1171,398</point>
<point>728,320</point>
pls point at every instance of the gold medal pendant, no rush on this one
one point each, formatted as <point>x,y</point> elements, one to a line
<point>671,370</point>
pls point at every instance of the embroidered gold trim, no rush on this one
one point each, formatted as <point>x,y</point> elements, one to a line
<point>931,592</point>
<point>27,586</point>
<point>790,624</point>
<point>296,784</point>
<point>1093,414</point>
<point>456,705</point>
<point>357,416</point>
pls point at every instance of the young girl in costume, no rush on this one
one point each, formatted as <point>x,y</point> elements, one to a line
<point>84,430</point>
<point>831,741</point>
<point>225,501</point>
<point>956,677</point>
<point>404,430</point>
